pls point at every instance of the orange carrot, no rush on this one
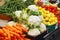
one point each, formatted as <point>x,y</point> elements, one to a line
<point>23,35</point>
<point>11,35</point>
<point>26,39</point>
<point>14,33</point>
<point>7,32</point>
<point>6,38</point>
<point>18,28</point>
<point>21,27</point>
<point>8,27</point>
<point>21,38</point>
<point>1,31</point>
<point>1,38</point>
<point>15,30</point>
<point>24,29</point>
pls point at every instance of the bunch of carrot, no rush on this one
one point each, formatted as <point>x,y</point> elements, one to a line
<point>15,32</point>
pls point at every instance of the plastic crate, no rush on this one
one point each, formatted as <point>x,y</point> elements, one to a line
<point>52,28</point>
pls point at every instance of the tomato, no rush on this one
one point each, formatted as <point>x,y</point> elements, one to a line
<point>57,13</point>
<point>59,22</point>
<point>50,10</point>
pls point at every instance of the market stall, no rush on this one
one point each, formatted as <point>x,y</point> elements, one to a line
<point>27,19</point>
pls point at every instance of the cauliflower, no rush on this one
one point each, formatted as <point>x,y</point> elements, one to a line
<point>17,13</point>
<point>11,23</point>
<point>25,15</point>
<point>34,20</point>
<point>42,27</point>
<point>34,32</point>
<point>33,7</point>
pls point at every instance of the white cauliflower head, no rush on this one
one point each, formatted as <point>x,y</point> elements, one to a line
<point>11,23</point>
<point>33,7</point>
<point>42,27</point>
<point>34,20</point>
<point>34,32</point>
<point>17,13</point>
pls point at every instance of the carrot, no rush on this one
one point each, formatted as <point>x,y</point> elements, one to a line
<point>18,38</point>
<point>1,31</point>
<point>18,28</point>
<point>26,39</point>
<point>1,38</point>
<point>11,35</point>
<point>14,37</point>
<point>8,27</point>
<point>7,32</point>
<point>21,27</point>
<point>14,33</point>
<point>6,38</point>
<point>21,38</point>
<point>24,29</point>
<point>23,35</point>
<point>14,29</point>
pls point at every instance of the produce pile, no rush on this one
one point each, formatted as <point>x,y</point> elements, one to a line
<point>35,18</point>
<point>54,10</point>
<point>48,17</point>
<point>31,19</point>
<point>28,19</point>
<point>50,8</point>
<point>13,31</point>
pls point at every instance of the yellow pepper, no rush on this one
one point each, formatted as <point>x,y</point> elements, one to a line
<point>48,17</point>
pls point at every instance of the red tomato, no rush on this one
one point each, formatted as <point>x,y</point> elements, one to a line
<point>50,10</point>
<point>53,11</point>
<point>59,22</point>
<point>58,13</point>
